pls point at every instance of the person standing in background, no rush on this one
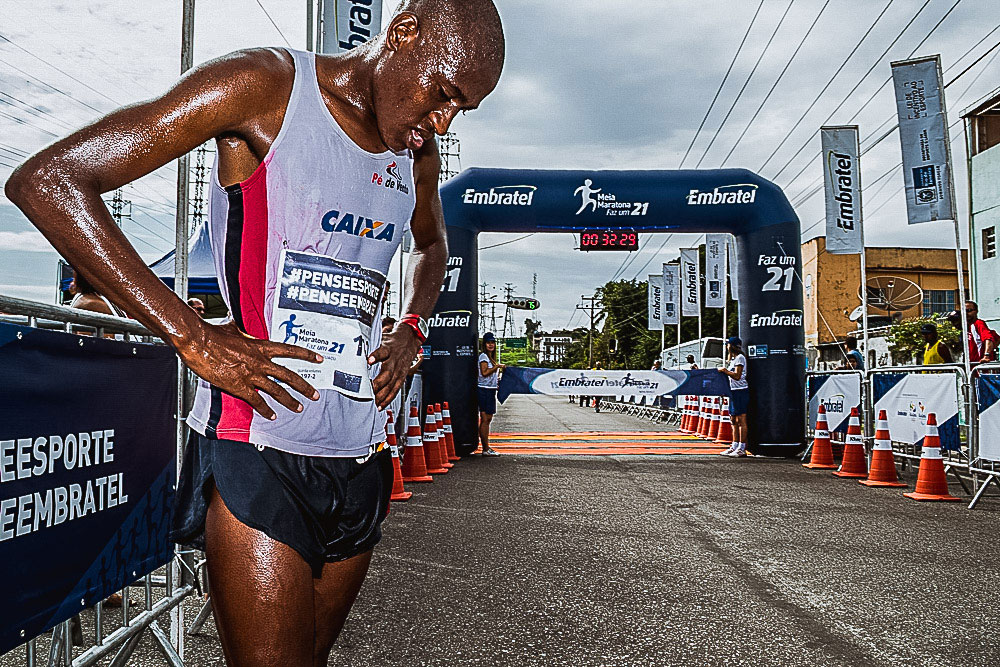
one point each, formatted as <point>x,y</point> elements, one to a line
<point>486,389</point>
<point>739,396</point>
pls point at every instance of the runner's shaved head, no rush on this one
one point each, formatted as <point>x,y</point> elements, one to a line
<point>462,28</point>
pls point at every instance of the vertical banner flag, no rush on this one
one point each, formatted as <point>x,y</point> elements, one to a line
<point>671,293</point>
<point>715,270</point>
<point>734,273</point>
<point>842,183</point>
<point>923,135</point>
<point>690,283</point>
<point>654,295</point>
<point>349,23</point>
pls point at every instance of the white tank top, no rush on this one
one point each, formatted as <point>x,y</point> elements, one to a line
<point>301,252</point>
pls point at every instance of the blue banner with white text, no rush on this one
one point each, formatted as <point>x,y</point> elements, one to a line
<point>630,384</point>
<point>87,442</point>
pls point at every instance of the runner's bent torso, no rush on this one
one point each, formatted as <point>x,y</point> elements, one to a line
<point>301,251</point>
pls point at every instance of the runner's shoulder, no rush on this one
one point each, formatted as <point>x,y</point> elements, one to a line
<point>262,75</point>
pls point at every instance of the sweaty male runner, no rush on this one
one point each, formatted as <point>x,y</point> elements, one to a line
<point>322,164</point>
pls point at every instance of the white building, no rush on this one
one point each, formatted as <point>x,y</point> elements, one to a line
<point>982,126</point>
<point>551,349</point>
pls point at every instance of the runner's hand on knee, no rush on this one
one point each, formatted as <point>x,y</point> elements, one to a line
<point>241,366</point>
<point>396,352</point>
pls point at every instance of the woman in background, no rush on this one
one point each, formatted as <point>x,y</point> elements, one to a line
<point>739,396</point>
<point>486,389</point>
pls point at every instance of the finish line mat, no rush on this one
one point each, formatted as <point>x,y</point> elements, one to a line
<point>603,443</point>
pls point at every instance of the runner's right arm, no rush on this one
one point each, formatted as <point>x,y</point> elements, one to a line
<point>238,100</point>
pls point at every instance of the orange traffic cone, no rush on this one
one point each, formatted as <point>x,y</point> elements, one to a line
<point>854,463</point>
<point>931,482</point>
<point>442,441</point>
<point>713,429</point>
<point>414,460</point>
<point>449,437</point>
<point>682,406</point>
<point>725,436</point>
<point>883,468</point>
<point>432,452</point>
<point>398,492</point>
<point>822,451</point>
<point>706,422</point>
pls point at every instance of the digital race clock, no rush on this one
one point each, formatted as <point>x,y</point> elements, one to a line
<point>609,239</point>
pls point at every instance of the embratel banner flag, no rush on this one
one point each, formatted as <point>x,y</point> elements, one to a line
<point>734,268</point>
<point>690,283</point>
<point>654,296</point>
<point>923,135</point>
<point>715,270</point>
<point>352,22</point>
<point>842,182</point>
<point>671,293</point>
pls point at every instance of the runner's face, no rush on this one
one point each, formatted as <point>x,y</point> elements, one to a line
<point>425,82</point>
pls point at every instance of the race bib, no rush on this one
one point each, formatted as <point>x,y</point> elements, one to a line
<point>328,306</point>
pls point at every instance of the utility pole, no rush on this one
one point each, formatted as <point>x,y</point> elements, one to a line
<point>449,147</point>
<point>590,336</point>
<point>309,25</point>
<point>119,206</point>
<point>508,292</point>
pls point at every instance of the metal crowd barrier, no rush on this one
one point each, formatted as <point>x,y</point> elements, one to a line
<point>178,580</point>
<point>984,471</point>
<point>836,438</point>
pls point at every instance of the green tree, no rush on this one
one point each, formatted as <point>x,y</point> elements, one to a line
<point>905,339</point>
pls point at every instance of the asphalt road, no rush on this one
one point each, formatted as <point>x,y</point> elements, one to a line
<point>687,560</point>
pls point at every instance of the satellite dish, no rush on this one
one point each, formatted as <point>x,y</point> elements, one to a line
<point>856,314</point>
<point>891,293</point>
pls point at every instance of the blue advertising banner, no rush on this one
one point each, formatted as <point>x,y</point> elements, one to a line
<point>631,384</point>
<point>87,434</point>
<point>988,398</point>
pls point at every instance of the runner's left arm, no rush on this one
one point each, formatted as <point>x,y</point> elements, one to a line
<point>424,276</point>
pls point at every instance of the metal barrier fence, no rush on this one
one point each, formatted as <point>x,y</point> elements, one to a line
<point>812,377</point>
<point>984,470</point>
<point>161,592</point>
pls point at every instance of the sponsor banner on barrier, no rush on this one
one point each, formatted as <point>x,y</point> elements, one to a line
<point>988,396</point>
<point>842,183</point>
<point>923,136</point>
<point>838,394</point>
<point>908,398</point>
<point>690,283</point>
<point>87,442</point>
<point>715,270</point>
<point>355,21</point>
<point>654,301</point>
<point>627,384</point>
<point>671,293</point>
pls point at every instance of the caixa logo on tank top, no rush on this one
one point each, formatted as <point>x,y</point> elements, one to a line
<point>391,179</point>
<point>358,225</point>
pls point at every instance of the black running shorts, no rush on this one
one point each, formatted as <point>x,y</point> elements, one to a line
<point>327,509</point>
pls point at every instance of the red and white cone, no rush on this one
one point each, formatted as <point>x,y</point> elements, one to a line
<point>822,451</point>
<point>931,481</point>
<point>442,441</point>
<point>398,492</point>
<point>713,428</point>
<point>725,436</point>
<point>685,414</point>
<point>883,468</point>
<point>854,463</point>
<point>432,452</point>
<point>449,436</point>
<point>414,460</point>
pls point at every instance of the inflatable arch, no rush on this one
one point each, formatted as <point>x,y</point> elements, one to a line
<point>729,200</point>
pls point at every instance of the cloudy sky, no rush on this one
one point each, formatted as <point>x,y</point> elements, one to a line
<point>588,84</point>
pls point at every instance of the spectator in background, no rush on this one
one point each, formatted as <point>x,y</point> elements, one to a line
<point>85,297</point>
<point>486,389</point>
<point>656,365</point>
<point>983,341</point>
<point>935,352</point>
<point>692,366</point>
<point>853,359</point>
<point>197,305</point>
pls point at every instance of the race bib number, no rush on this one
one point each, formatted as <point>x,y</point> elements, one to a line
<point>328,306</point>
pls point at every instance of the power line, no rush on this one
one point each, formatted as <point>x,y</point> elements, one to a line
<point>828,84</point>
<point>497,245</point>
<point>878,61</point>
<point>724,79</point>
<point>745,84</point>
<point>263,9</point>
<point>58,69</point>
<point>776,81</point>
